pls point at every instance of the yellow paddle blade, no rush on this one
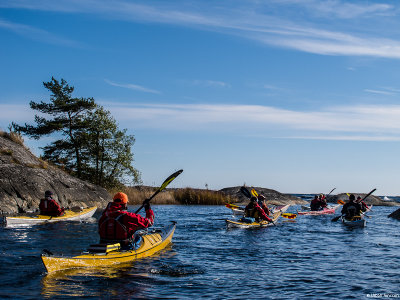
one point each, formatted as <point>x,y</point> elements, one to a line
<point>289,216</point>
<point>228,205</point>
<point>254,193</point>
<point>340,202</point>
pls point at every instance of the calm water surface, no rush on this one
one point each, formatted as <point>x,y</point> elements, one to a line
<point>311,258</point>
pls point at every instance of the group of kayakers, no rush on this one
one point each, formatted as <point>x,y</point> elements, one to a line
<point>116,225</point>
<point>353,208</point>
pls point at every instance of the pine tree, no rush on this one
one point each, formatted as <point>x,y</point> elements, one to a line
<point>89,143</point>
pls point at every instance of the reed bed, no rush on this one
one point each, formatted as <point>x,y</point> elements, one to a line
<point>190,196</point>
<point>185,196</point>
<point>137,194</point>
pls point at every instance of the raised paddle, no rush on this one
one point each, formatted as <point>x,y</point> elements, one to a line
<point>163,186</point>
<point>338,217</point>
<point>331,192</point>
<point>245,192</point>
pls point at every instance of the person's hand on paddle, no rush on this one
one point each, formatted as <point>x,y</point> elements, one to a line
<point>146,204</point>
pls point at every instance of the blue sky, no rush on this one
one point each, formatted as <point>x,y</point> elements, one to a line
<point>296,96</point>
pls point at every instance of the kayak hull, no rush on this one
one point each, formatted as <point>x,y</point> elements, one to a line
<point>360,223</point>
<point>276,215</point>
<point>327,211</point>
<point>40,219</point>
<point>153,241</point>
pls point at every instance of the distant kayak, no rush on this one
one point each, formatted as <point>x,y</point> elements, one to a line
<point>355,222</point>
<point>275,216</point>
<point>101,255</point>
<point>325,211</point>
<point>28,220</point>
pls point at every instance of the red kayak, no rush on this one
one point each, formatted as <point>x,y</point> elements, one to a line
<point>325,211</point>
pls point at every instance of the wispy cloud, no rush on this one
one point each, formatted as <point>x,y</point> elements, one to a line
<point>132,87</point>
<point>363,30</point>
<point>378,123</point>
<point>37,34</point>
<point>348,123</point>
<point>211,83</point>
<point>386,91</point>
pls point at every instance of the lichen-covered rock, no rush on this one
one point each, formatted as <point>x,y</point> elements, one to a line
<point>24,178</point>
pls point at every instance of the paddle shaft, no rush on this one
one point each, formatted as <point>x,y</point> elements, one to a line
<point>163,186</point>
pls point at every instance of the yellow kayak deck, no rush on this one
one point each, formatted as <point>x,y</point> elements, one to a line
<point>152,243</point>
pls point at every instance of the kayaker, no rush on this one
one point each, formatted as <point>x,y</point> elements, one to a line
<point>117,225</point>
<point>263,204</point>
<point>351,209</point>
<point>253,210</point>
<point>318,203</point>
<point>364,206</point>
<point>49,207</point>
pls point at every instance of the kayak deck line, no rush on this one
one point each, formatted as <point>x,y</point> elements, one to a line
<point>40,219</point>
<point>327,211</point>
<point>152,242</point>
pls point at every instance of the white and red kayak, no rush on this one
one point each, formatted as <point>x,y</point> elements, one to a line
<point>326,211</point>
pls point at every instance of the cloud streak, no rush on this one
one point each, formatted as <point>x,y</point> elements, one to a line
<point>372,123</point>
<point>258,21</point>
<point>37,34</point>
<point>132,86</point>
<point>347,123</point>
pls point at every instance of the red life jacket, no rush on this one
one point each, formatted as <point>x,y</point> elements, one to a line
<point>49,207</point>
<point>111,227</point>
<point>116,224</point>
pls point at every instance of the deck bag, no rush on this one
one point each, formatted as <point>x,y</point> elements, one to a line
<point>247,220</point>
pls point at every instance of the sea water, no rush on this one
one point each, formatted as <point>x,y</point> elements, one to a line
<point>310,257</point>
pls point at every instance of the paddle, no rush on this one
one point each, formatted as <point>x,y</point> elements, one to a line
<point>331,191</point>
<point>163,186</point>
<point>338,217</point>
<point>245,192</point>
<point>289,215</point>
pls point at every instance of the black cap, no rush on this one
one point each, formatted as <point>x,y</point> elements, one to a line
<point>48,193</point>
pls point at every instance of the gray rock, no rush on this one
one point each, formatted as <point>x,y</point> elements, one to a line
<point>395,214</point>
<point>24,178</point>
<point>273,197</point>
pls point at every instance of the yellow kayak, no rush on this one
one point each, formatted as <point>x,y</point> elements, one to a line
<point>101,255</point>
<point>275,216</point>
<point>70,215</point>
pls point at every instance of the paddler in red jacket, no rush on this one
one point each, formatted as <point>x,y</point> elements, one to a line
<point>253,210</point>
<point>49,207</point>
<point>364,206</point>
<point>117,225</point>
<point>261,202</point>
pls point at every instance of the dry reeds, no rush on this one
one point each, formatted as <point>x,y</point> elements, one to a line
<point>13,136</point>
<point>137,194</point>
<point>186,196</point>
<point>190,196</point>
